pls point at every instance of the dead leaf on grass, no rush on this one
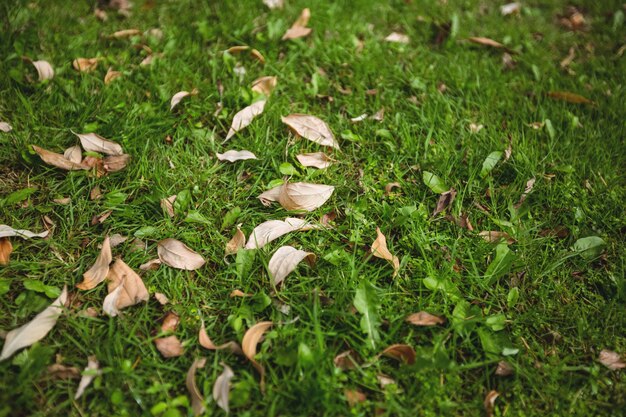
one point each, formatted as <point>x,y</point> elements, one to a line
<point>58,160</point>
<point>115,163</point>
<point>389,187</point>
<point>125,33</point>
<point>244,117</point>
<point>400,352</point>
<point>346,360</point>
<point>569,97</point>
<point>197,401</point>
<point>60,371</point>
<point>167,204</point>
<point>425,319</point>
<point>5,250</point>
<point>611,360</point>
<point>111,75</point>
<point>100,218</point>
<point>475,128</point>
<point>221,388</point>
<point>264,85</point>
<point>504,369</point>
<point>100,269</point>
<point>493,236</point>
<point>161,298</point>
<point>273,229</point>
<point>354,396</point>
<point>237,242</point>
<point>44,70</point>
<point>311,128</point>
<point>239,293</point>
<point>249,344</point>
<point>510,8</point>
<point>169,347</point>
<point>299,29</point>
<point>206,342</point>
<point>151,265</point>
<point>486,42</point>
<point>176,254</point>
<point>5,127</point>
<point>74,154</point>
<point>274,4</point>
<point>285,260</point>
<point>298,195</point>
<point>379,249</point>
<point>85,64</point>
<point>397,38</point>
<point>232,155</point>
<point>235,50</point>
<point>90,372</point>
<point>92,142</point>
<point>8,231</point>
<point>490,400</point>
<point>445,200</point>
<point>125,289</point>
<point>316,159</point>
<point>530,184</point>
<point>181,95</point>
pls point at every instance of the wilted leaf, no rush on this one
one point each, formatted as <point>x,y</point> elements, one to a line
<point>100,218</point>
<point>367,302</point>
<point>397,37</point>
<point>316,159</point>
<point>569,97</point>
<point>298,195</point>
<point>486,42</point>
<point>445,200</point>
<point>179,96</point>
<point>167,204</point>
<point>115,163</point>
<point>504,369</point>
<point>234,50</point>
<point>493,236</point>
<point>8,231</point>
<point>90,372</point>
<point>170,346</point>
<point>380,250</point>
<point>379,116</point>
<point>5,127</point>
<point>85,64</point>
<point>237,242</point>
<point>311,128</point>
<point>197,402</point>
<point>125,33</point>
<point>611,360</point>
<point>93,142</point>
<point>346,360</point>
<point>264,85</point>
<point>74,154</point>
<point>100,269</point>
<point>530,184</point>
<point>299,29</point>
<point>435,183</point>
<point>490,400</point>
<point>510,8</point>
<point>125,289</point>
<point>44,69</point>
<point>354,396</point>
<point>273,229</point>
<point>60,371</point>
<point>400,352</point>
<point>232,155</point>
<point>589,247</point>
<point>176,254</point>
<point>206,342</point>
<point>424,319</point>
<point>5,250</point>
<point>111,75</point>
<point>238,293</point>
<point>34,330</point>
<point>221,388</point>
<point>58,160</point>
<point>244,117</point>
<point>285,260</point>
<point>249,343</point>
<point>390,186</point>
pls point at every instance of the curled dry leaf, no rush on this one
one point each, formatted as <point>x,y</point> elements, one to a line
<point>569,97</point>
<point>285,260</point>
<point>161,298</point>
<point>611,360</point>
<point>93,142</point>
<point>115,163</point>
<point>181,95</point>
<point>490,400</point>
<point>239,293</point>
<point>244,117</point>
<point>176,254</point>
<point>234,50</point>
<point>400,352</point>
<point>530,184</point>
<point>346,360</point>
<point>111,75</point>
<point>125,289</point>
<point>486,42</point>
<point>249,343</point>
<point>298,195</point>
<point>493,236</point>
<point>389,187</point>
<point>100,218</point>
<point>273,229</point>
<point>316,159</point>
<point>74,154</point>
<point>125,33</point>
<point>90,372</point>
<point>359,118</point>
<point>397,38</point>
<point>425,319</point>
<point>380,250</point>
<point>117,239</point>
<point>8,231</point>
<point>274,4</point>
<point>445,200</point>
<point>221,388</point>
<point>354,396</point>
<point>299,29</point>
<point>170,346</point>
<point>5,127</point>
<point>151,265</point>
<point>197,401</point>
<point>504,369</point>
<point>232,155</point>
<point>34,330</point>
<point>5,250</point>
<point>85,64</point>
<point>510,8</point>
<point>264,85</point>
<point>311,128</point>
<point>100,269</point>
<point>44,70</point>
<point>60,371</point>
<point>237,242</point>
<point>167,204</point>
<point>206,342</point>
<point>58,160</point>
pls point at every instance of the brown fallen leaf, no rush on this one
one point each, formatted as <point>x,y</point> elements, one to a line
<point>346,360</point>
<point>85,64</point>
<point>115,163</point>
<point>400,352</point>
<point>390,186</point>
<point>298,195</point>
<point>167,204</point>
<point>176,254</point>
<point>489,403</point>
<point>285,260</point>
<point>565,62</point>
<point>232,155</point>
<point>93,142</point>
<point>299,29</point>
<point>397,38</point>
<point>125,33</point>
<point>273,229</point>
<point>91,371</point>
<point>221,388</point>
<point>5,250</point>
<point>151,265</point>
<point>161,298</point>
<point>100,218</point>
<point>530,184</point>
<point>125,289</point>
<point>206,342</point>
<point>311,128</point>
<point>169,347</point>
<point>8,231</point>
<point>63,201</point>
<point>379,116</point>
<point>179,96</point>
<point>486,42</point>
<point>611,360</point>
<point>504,369</point>
<point>244,117</point>
<point>569,97</point>
<point>74,154</point>
<point>379,249</point>
<point>237,242</point>
<point>316,159</point>
<point>60,371</point>
<point>384,380</point>
<point>264,85</point>
<point>111,75</point>
<point>197,401</point>
<point>58,160</point>
<point>44,70</point>
<point>493,236</point>
<point>5,127</point>
<point>100,269</point>
<point>235,50</point>
<point>249,343</point>
<point>424,319</point>
<point>445,200</point>
<point>354,396</point>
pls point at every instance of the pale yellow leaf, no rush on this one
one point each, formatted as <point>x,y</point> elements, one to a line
<point>273,229</point>
<point>298,195</point>
<point>100,269</point>
<point>311,128</point>
<point>249,344</point>
<point>8,231</point>
<point>179,96</point>
<point>232,155</point>
<point>380,250</point>
<point>264,85</point>
<point>244,117</point>
<point>176,254</point>
<point>316,159</point>
<point>197,401</point>
<point>285,260</point>
<point>237,242</point>
<point>44,70</point>
<point>85,64</point>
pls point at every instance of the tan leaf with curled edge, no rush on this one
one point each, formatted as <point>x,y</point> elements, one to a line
<point>5,127</point>
<point>44,70</point>
<point>91,371</point>
<point>115,163</point>
<point>206,342</point>
<point>299,29</point>
<point>93,142</point>
<point>249,343</point>
<point>244,117</point>
<point>8,231</point>
<point>100,269</point>
<point>424,319</point>
<point>176,98</point>
<point>285,260</point>
<point>5,250</point>
<point>493,236</point>
<point>34,330</point>
<point>400,352</point>
<point>611,360</point>
<point>221,388</point>
<point>264,85</point>
<point>311,128</point>
<point>273,229</point>
<point>58,160</point>
<point>111,75</point>
<point>490,401</point>
<point>197,401</point>
<point>380,250</point>
<point>397,38</point>
<point>298,195</point>
<point>85,64</point>
<point>125,33</point>
<point>176,254</point>
<point>232,155</point>
<point>485,42</point>
<point>74,154</point>
<point>169,346</point>
<point>125,289</point>
<point>234,50</point>
<point>316,159</point>
<point>237,242</point>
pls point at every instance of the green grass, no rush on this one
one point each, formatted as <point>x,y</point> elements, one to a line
<point>568,308</point>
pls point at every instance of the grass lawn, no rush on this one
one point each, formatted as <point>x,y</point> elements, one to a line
<point>451,108</point>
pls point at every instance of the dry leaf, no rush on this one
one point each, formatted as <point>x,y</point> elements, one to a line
<point>151,265</point>
<point>397,38</point>
<point>93,142</point>
<point>95,193</point>
<point>311,128</point>
<point>170,346</point>
<point>237,242</point>
<point>44,69</point>
<point>58,160</point>
<point>400,352</point>
<point>5,250</point>
<point>249,343</point>
<point>285,260</point>
<point>379,116</point>
<point>274,4</point>
<point>475,128</point>
<point>161,298</point>
<point>611,360</point>
<point>238,293</point>
<point>530,184</point>
<point>445,200</point>
<point>100,218</point>
<point>206,342</point>
<point>493,236</point>
<point>85,64</point>
<point>5,127</point>
<point>490,400</point>
<point>8,231</point>
<point>244,117</point>
<point>346,360</point>
<point>298,195</point>
<point>568,59</point>
<point>354,396</point>
<point>425,319</point>
<point>115,163</point>
<point>125,33</point>
<point>170,322</point>
<point>316,159</point>
<point>74,154</point>
<point>273,229</point>
<point>167,204</point>
<point>233,50</point>
<point>60,371</point>
<point>221,388</point>
<point>299,29</point>
<point>63,201</point>
<point>111,75</point>
<point>100,269</point>
<point>510,8</point>
<point>232,155</point>
<point>92,369</point>
<point>359,118</point>
<point>380,250</point>
<point>117,239</point>
<point>384,380</point>
<point>176,254</point>
<point>264,85</point>
<point>34,330</point>
<point>486,42</point>
<point>125,289</point>
<point>389,187</point>
<point>504,369</point>
<point>569,97</point>
<point>197,402</point>
<point>179,96</point>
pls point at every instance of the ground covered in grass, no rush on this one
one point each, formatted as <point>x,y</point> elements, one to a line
<point>525,315</point>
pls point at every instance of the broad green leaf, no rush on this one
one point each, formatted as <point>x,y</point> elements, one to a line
<point>194,216</point>
<point>367,303</point>
<point>490,162</point>
<point>435,183</point>
<point>182,202</point>
<point>5,285</point>
<point>496,322</point>
<point>512,297</point>
<point>489,342</point>
<point>19,195</point>
<point>501,265</point>
<point>589,247</point>
<point>244,261</point>
<point>146,231</point>
<point>287,169</point>
<point>464,317</point>
<point>38,286</point>
<point>231,217</point>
